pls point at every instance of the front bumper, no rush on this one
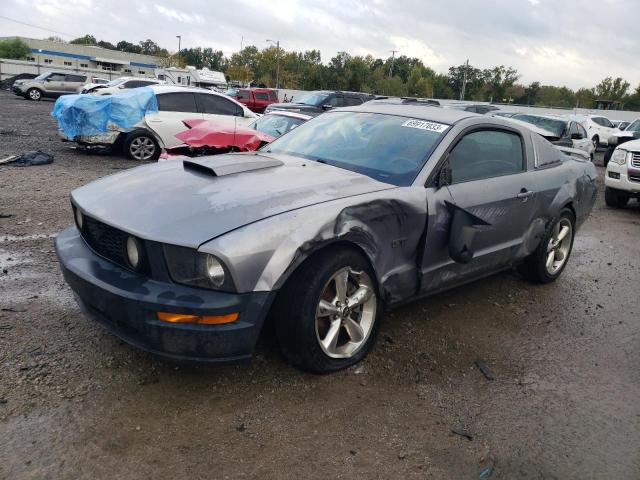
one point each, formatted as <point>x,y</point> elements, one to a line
<point>126,303</point>
<point>624,182</point>
<point>18,91</point>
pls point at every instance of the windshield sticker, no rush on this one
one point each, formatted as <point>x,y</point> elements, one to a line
<point>423,125</point>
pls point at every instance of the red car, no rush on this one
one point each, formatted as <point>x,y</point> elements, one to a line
<point>257,99</point>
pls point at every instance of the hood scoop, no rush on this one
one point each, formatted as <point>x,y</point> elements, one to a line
<point>228,165</point>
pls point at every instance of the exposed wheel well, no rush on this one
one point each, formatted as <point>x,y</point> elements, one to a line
<point>569,205</point>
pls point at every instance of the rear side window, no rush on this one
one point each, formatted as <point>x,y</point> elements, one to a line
<point>351,101</point>
<point>262,96</point>
<point>545,152</point>
<point>244,94</point>
<point>273,96</point>
<point>486,154</point>
<point>177,102</point>
<point>215,105</point>
<point>603,121</point>
<point>138,83</point>
<point>75,78</point>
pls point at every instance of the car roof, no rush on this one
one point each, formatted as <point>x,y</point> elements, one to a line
<point>549,117</point>
<point>417,110</point>
<point>174,88</point>
<point>286,113</point>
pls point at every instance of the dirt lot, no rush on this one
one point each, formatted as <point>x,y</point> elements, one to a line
<point>75,402</point>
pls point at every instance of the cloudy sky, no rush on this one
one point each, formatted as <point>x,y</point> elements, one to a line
<point>572,43</point>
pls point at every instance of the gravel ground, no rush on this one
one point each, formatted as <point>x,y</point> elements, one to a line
<point>75,402</point>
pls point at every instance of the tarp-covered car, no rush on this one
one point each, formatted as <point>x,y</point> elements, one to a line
<point>357,210</point>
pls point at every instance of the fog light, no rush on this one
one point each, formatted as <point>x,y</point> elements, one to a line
<point>215,271</point>
<point>79,219</point>
<point>133,252</point>
<point>614,175</point>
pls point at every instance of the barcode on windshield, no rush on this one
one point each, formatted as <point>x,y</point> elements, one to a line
<point>423,125</point>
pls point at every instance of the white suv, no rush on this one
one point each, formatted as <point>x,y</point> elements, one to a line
<point>598,128</point>
<point>622,180</point>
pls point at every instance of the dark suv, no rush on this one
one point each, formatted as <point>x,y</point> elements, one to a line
<point>314,103</point>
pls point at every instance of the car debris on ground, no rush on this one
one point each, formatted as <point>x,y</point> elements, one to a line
<point>27,160</point>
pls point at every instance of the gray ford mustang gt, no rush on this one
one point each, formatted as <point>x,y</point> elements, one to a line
<point>358,210</point>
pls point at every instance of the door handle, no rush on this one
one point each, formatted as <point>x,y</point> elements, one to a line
<point>525,194</point>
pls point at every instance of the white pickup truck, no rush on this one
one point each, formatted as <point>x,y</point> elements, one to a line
<point>622,180</point>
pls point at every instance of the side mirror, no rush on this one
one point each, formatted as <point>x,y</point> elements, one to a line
<point>327,106</point>
<point>576,136</point>
<point>444,177</point>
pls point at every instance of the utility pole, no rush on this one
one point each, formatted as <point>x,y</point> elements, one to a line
<point>464,80</point>
<point>393,58</point>
<point>179,37</point>
<point>241,43</point>
<point>277,42</point>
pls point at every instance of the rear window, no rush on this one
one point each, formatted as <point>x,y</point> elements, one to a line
<point>177,102</point>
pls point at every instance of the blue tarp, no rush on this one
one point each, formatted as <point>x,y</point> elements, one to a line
<point>91,114</point>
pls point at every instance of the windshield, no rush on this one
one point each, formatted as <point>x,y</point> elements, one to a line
<point>276,125</point>
<point>633,126</point>
<point>313,99</point>
<point>388,148</point>
<point>116,82</point>
<point>556,127</point>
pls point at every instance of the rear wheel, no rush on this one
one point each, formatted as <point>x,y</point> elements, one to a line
<point>328,313</point>
<point>548,261</point>
<point>614,198</point>
<point>141,146</point>
<point>596,142</point>
<point>33,94</point>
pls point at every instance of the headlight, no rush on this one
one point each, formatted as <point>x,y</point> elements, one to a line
<point>619,156</point>
<point>79,219</point>
<point>190,267</point>
<point>133,252</point>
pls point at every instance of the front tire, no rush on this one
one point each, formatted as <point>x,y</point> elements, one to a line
<point>33,94</point>
<point>328,314</point>
<point>614,198</point>
<point>141,146</point>
<point>549,260</point>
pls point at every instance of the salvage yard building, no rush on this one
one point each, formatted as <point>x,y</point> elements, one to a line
<point>89,59</point>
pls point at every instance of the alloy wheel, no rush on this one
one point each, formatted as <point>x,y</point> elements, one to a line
<point>559,246</point>
<point>34,94</point>
<point>142,148</point>
<point>345,313</point>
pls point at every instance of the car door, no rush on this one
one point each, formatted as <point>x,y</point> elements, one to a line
<point>581,143</point>
<point>55,84</point>
<point>173,108</point>
<point>481,214</point>
<point>219,109</point>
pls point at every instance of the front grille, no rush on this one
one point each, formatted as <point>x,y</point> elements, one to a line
<point>634,178</point>
<point>635,159</point>
<point>106,241</point>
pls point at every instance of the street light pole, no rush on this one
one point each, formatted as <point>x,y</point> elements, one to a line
<point>277,42</point>
<point>179,37</point>
<point>393,58</point>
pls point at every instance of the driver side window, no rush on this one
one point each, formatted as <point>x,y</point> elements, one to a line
<point>485,154</point>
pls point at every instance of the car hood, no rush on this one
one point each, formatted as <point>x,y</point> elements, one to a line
<point>189,203</point>
<point>297,107</point>
<point>632,145</point>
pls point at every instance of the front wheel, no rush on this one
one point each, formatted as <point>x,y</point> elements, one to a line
<point>141,146</point>
<point>33,94</point>
<point>328,314</point>
<point>614,198</point>
<point>548,261</point>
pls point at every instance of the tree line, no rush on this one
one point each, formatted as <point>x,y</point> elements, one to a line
<point>397,76</point>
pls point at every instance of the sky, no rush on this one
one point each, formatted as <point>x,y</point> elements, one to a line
<point>564,43</point>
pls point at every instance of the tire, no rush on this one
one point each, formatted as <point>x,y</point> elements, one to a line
<point>141,146</point>
<point>607,155</point>
<point>540,266</point>
<point>614,198</point>
<point>302,323</point>
<point>596,142</point>
<point>33,94</point>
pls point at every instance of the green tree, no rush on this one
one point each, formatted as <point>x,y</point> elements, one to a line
<point>552,96</point>
<point>108,45</point>
<point>612,89</point>
<point>85,40</point>
<point>55,38</point>
<point>585,98</point>
<point>498,80</point>
<point>125,46</point>
<point>15,49</point>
